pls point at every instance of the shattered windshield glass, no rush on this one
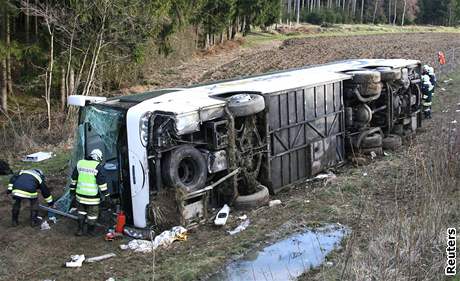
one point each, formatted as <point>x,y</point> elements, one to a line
<point>99,127</point>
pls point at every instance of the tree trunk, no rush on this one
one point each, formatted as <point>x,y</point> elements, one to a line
<point>36,23</point>
<point>4,88</point>
<point>394,19</point>
<point>298,12</point>
<point>8,53</point>
<point>389,11</point>
<point>71,82</point>
<point>49,77</point>
<point>362,11</point>
<point>404,13</point>
<point>375,11</point>
<point>63,90</point>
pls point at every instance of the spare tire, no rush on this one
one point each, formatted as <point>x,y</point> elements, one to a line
<point>372,140</point>
<point>185,168</point>
<point>365,76</point>
<point>241,105</point>
<point>255,200</point>
<point>368,151</point>
<point>392,142</point>
<point>389,74</point>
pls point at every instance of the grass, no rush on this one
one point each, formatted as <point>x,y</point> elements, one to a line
<point>258,37</point>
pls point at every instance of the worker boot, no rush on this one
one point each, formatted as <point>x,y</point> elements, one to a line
<point>81,224</point>
<point>34,221</point>
<point>15,217</point>
<point>91,230</point>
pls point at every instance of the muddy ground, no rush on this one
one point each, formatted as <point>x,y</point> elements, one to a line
<point>31,254</point>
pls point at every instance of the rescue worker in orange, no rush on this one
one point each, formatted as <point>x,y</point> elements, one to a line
<point>90,187</point>
<point>25,186</point>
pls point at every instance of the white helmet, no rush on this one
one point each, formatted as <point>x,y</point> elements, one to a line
<point>425,68</point>
<point>96,154</point>
<point>425,78</point>
<point>430,70</point>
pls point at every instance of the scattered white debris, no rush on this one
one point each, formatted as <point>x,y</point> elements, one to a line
<point>164,239</point>
<point>45,226</point>
<point>40,218</point>
<point>443,89</point>
<point>453,122</point>
<point>373,154</point>
<point>386,153</point>
<point>110,279</point>
<point>243,217</point>
<point>445,111</point>
<point>53,219</point>
<point>458,110</point>
<point>100,258</point>
<point>307,201</point>
<point>273,203</point>
<point>448,80</point>
<point>76,261</point>
<point>365,174</point>
<point>38,156</point>
<point>329,263</point>
<point>240,227</point>
<point>222,215</point>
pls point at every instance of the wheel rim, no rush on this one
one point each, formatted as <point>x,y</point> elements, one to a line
<point>187,171</point>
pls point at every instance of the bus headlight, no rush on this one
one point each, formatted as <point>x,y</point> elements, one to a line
<point>144,128</point>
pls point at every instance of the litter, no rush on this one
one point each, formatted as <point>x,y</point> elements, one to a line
<point>445,111</point>
<point>273,203</point>
<point>373,155</point>
<point>243,217</point>
<point>75,261</point>
<point>45,226</point>
<point>448,80</point>
<point>240,227</point>
<point>324,176</point>
<point>453,122</point>
<point>458,110</point>
<point>365,174</point>
<point>222,215</point>
<point>110,236</point>
<point>136,233</point>
<point>53,219</point>
<point>100,258</point>
<point>385,153</point>
<point>110,279</point>
<point>164,239</point>
<point>329,264</point>
<point>38,156</point>
<point>443,89</point>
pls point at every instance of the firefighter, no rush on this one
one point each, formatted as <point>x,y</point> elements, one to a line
<point>427,92</point>
<point>24,186</point>
<point>90,187</point>
<point>428,70</point>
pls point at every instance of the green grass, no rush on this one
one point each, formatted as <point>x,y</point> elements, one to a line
<point>258,37</point>
<point>57,165</point>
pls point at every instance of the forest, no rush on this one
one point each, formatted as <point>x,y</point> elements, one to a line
<point>51,49</point>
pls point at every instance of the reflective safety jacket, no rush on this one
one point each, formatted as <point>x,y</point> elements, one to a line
<point>88,182</point>
<point>26,184</point>
<point>427,92</point>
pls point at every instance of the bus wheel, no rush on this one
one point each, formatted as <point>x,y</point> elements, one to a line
<point>245,104</point>
<point>185,168</point>
<point>254,200</point>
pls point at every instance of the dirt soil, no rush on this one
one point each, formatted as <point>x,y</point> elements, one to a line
<point>30,254</point>
<point>298,52</point>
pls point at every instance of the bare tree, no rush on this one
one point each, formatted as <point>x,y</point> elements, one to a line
<point>375,10</point>
<point>394,19</point>
<point>404,13</point>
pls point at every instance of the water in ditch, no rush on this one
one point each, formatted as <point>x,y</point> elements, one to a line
<point>286,259</point>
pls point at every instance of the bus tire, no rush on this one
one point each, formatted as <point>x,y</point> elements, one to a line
<point>245,104</point>
<point>257,199</point>
<point>185,168</point>
<point>392,142</point>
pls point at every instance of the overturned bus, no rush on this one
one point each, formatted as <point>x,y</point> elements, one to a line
<point>238,140</point>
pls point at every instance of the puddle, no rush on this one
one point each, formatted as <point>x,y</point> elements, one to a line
<point>287,259</point>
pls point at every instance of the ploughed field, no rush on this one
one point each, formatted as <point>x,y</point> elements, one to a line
<point>298,52</point>
<point>362,198</point>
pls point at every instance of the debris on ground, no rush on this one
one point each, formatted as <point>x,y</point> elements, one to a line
<point>273,203</point>
<point>100,258</point>
<point>373,155</point>
<point>443,89</point>
<point>38,156</point>
<point>45,226</point>
<point>447,81</point>
<point>136,233</point>
<point>110,279</point>
<point>177,233</point>
<point>222,215</point>
<point>325,176</point>
<point>240,227</point>
<point>52,218</point>
<point>365,174</point>
<point>453,122</point>
<point>75,261</point>
<point>111,235</point>
<point>243,217</point>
